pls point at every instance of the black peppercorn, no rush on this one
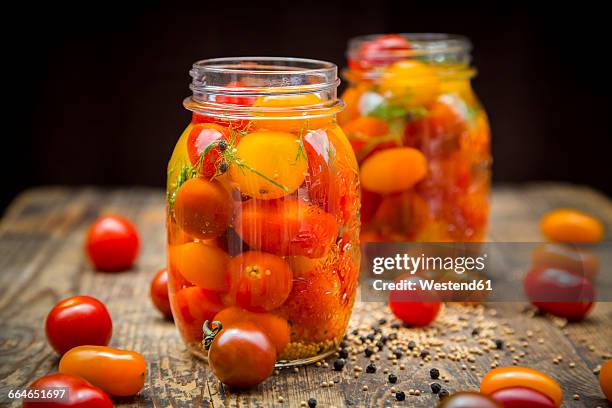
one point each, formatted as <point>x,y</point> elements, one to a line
<point>400,396</point>
<point>223,166</point>
<point>424,353</point>
<point>398,353</point>
<point>368,352</point>
<point>476,332</point>
<point>339,364</point>
<point>411,345</point>
<point>355,332</point>
<point>222,145</point>
<point>362,338</point>
<point>499,343</point>
<point>382,321</point>
<point>443,393</point>
<point>371,369</point>
<point>312,403</point>
<point>396,326</point>
<point>435,388</point>
<point>384,339</point>
<point>343,353</point>
<point>434,373</point>
<point>370,337</point>
<point>343,344</point>
<point>392,378</point>
<point>393,336</point>
<point>380,345</point>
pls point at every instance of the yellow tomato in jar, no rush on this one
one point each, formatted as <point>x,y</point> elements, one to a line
<point>288,119</point>
<point>269,164</point>
<point>393,170</point>
<point>571,225</point>
<point>412,83</point>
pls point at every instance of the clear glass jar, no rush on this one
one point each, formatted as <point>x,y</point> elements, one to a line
<point>262,206</point>
<point>421,138</point>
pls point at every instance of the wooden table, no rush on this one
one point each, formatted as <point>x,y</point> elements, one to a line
<point>41,262</point>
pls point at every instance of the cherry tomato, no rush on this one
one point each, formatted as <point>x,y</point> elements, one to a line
<point>382,50</point>
<point>407,165</point>
<point>235,99</point>
<point>204,265</point>
<point>203,208</point>
<point>118,372</point>
<point>510,377</point>
<point>272,164</point>
<point>273,326</point>
<point>410,83</point>
<point>559,292</point>
<point>401,216</point>
<point>112,243</point>
<point>192,306</point>
<point>576,260</point>
<point>468,400</point>
<point>242,356</point>
<point>570,225</point>
<point>80,393</point>
<point>159,293</point>
<point>286,227</point>
<point>413,307</point>
<point>77,321</point>
<point>520,397</point>
<point>259,281</point>
<point>213,140</point>
<point>605,379</point>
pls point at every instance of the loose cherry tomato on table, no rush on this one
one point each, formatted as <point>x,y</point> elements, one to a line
<point>559,292</point>
<point>520,397</point>
<point>605,379</point>
<point>286,227</point>
<point>414,307</point>
<point>77,321</point>
<point>202,208</point>
<point>469,400</point>
<point>79,393</point>
<point>259,281</point>
<point>159,293</point>
<point>510,377</point>
<point>240,356</point>
<point>576,260</point>
<point>117,372</point>
<point>205,146</point>
<point>202,264</point>
<point>275,327</point>
<point>571,225</point>
<point>193,306</point>
<point>112,243</point>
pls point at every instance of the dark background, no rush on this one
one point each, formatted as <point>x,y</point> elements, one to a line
<point>95,91</point>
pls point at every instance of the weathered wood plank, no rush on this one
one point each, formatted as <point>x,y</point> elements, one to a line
<point>41,260</point>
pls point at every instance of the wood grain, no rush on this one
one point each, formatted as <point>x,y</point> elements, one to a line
<point>41,262</point>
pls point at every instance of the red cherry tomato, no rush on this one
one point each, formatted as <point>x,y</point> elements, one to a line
<point>79,393</point>
<point>469,400</point>
<point>382,50</point>
<point>192,307</point>
<point>239,125</point>
<point>112,243</point>
<point>287,227</point>
<point>77,321</point>
<point>559,292</point>
<point>512,377</point>
<point>159,293</point>
<point>242,356</point>
<point>413,307</point>
<point>520,397</point>
<point>259,281</point>
<point>213,140</point>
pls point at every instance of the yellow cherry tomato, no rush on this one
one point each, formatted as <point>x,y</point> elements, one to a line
<point>571,225</point>
<point>393,170</point>
<point>605,379</point>
<point>508,377</point>
<point>412,83</point>
<point>117,372</point>
<point>289,121</point>
<point>271,164</point>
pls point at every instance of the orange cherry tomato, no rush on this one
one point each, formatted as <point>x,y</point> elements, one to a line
<point>605,379</point>
<point>393,170</point>
<point>259,281</point>
<point>289,120</point>
<point>202,264</point>
<point>159,293</point>
<point>112,243</point>
<point>117,372</point>
<point>273,326</point>
<point>576,260</point>
<point>507,377</point>
<point>351,97</point>
<point>401,216</point>
<point>202,208</point>
<point>79,394</point>
<point>272,164</point>
<point>570,225</point>
<point>287,227</point>
<point>241,356</point>
<point>366,126</point>
<point>468,400</point>
<point>213,140</point>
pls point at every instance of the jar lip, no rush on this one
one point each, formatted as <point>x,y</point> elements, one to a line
<point>273,65</point>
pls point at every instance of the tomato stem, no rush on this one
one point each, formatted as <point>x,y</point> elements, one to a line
<point>210,332</point>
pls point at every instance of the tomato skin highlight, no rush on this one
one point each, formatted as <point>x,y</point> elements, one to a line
<point>259,281</point>
<point>519,397</point>
<point>81,394</point>
<point>77,321</point>
<point>117,372</point>
<point>291,227</point>
<point>201,137</point>
<point>414,308</point>
<point>159,293</point>
<point>509,377</point>
<point>242,356</point>
<point>112,243</point>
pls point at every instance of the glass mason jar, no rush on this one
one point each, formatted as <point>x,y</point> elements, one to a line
<point>421,138</point>
<point>262,206</point>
